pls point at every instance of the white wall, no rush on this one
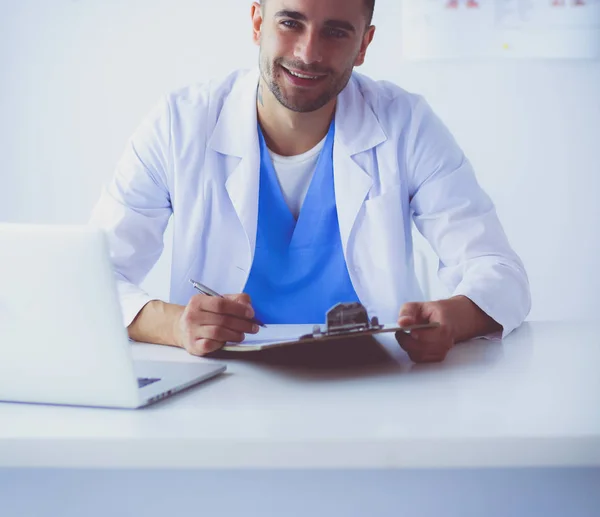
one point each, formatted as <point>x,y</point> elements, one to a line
<point>77,76</point>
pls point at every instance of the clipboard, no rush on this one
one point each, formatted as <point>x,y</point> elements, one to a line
<point>344,321</point>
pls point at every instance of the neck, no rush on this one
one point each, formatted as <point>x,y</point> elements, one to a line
<point>289,133</point>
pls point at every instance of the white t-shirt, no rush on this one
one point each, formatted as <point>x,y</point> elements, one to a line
<point>295,174</point>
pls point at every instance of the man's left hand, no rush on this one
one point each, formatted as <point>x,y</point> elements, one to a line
<point>459,318</point>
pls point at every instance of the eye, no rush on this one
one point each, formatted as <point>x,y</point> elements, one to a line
<point>336,33</point>
<point>290,24</point>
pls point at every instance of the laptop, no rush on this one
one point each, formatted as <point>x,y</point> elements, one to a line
<point>62,337</point>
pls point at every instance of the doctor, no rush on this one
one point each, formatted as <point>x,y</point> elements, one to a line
<point>296,184</point>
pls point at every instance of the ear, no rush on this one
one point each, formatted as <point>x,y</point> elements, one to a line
<point>257,19</point>
<point>367,39</point>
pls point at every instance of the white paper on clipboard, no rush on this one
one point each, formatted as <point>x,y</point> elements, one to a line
<point>276,336</point>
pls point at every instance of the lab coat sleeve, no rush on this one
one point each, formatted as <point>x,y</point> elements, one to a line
<point>135,207</point>
<point>459,220</point>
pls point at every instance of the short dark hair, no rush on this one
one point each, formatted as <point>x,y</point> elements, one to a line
<point>369,5</point>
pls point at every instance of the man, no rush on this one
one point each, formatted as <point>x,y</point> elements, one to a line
<point>295,185</point>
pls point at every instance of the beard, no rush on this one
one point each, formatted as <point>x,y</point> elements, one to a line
<point>302,101</point>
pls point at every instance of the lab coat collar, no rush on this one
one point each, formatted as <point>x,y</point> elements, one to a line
<point>357,127</point>
<point>357,130</point>
<point>236,134</point>
<point>236,126</point>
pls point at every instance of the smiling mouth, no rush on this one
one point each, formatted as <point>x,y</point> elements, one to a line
<point>301,75</point>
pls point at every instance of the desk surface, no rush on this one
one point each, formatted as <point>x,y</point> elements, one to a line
<point>531,400</point>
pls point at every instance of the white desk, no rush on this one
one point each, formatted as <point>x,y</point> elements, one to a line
<point>530,401</point>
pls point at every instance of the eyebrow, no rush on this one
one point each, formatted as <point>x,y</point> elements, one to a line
<point>335,24</point>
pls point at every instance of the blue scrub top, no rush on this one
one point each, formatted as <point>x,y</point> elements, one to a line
<point>299,270</point>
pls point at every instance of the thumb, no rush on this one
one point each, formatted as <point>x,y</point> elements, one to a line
<point>410,314</point>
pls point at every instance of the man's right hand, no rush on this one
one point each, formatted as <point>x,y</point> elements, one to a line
<point>201,327</point>
<point>208,322</point>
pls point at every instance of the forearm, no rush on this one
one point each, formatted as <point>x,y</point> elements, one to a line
<point>469,321</point>
<point>157,323</point>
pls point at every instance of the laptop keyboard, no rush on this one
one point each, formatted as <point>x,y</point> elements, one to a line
<point>144,381</point>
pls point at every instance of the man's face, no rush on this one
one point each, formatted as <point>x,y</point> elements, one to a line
<point>308,48</point>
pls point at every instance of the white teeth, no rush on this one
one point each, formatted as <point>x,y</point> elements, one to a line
<point>302,76</point>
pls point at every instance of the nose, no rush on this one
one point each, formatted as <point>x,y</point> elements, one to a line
<point>308,48</point>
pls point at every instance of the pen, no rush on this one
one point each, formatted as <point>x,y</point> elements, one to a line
<point>209,292</point>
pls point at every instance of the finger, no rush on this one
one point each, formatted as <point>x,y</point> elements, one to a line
<point>219,305</point>
<point>427,359</point>
<point>225,321</point>
<point>421,351</point>
<point>428,335</point>
<point>410,314</point>
<point>240,298</point>
<point>409,345</point>
<point>439,338</point>
<point>429,347</point>
<point>203,347</point>
<point>216,333</point>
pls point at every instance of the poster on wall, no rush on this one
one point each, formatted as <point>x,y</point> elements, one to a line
<point>456,29</point>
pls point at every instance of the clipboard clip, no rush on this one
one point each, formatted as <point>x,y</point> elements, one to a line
<point>344,319</point>
<point>350,319</point>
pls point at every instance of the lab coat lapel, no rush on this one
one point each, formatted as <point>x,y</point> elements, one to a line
<point>357,131</point>
<point>236,136</point>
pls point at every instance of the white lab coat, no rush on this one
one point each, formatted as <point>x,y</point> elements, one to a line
<point>196,158</point>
